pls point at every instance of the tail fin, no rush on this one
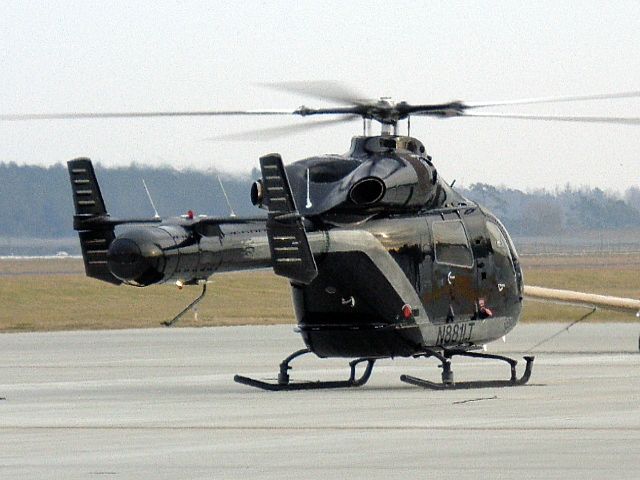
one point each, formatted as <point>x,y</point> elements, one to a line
<point>290,250</point>
<point>95,233</point>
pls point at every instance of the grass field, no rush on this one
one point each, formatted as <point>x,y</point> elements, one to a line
<point>55,295</point>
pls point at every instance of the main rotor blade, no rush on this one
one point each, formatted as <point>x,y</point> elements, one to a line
<point>573,98</point>
<point>322,90</point>
<point>557,118</point>
<point>280,131</point>
<point>207,113</point>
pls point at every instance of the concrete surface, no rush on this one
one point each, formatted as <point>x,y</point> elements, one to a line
<point>162,404</point>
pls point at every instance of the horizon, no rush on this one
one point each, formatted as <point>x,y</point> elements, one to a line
<point>241,175</point>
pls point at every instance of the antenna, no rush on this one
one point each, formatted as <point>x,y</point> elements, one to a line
<point>231,212</point>
<point>155,211</point>
<point>309,204</point>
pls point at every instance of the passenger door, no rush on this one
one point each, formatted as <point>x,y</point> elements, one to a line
<point>454,286</point>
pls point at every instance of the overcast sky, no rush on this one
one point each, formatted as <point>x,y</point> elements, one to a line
<point>83,56</point>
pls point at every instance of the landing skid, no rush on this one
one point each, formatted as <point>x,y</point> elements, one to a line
<point>284,382</point>
<point>447,373</point>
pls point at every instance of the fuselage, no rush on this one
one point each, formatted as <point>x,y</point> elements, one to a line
<point>455,268</point>
<point>404,263</point>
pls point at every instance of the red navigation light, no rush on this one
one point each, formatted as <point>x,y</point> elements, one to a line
<point>407,311</point>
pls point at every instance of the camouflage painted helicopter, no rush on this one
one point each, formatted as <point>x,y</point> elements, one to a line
<point>385,259</point>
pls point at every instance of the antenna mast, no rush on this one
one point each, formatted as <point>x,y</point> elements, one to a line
<point>224,192</point>
<point>153,205</point>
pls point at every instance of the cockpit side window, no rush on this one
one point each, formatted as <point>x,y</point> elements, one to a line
<point>451,244</point>
<point>498,242</point>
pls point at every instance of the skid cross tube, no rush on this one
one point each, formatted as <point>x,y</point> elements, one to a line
<point>447,374</point>
<point>284,383</point>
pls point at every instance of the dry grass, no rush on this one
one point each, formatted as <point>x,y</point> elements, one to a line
<point>55,295</point>
<point>615,274</point>
<point>32,300</point>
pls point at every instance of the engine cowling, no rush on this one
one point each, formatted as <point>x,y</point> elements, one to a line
<point>399,181</point>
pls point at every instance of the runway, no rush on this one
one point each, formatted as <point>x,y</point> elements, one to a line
<point>162,404</point>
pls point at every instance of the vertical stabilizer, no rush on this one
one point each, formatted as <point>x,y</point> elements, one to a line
<point>96,234</point>
<point>290,250</point>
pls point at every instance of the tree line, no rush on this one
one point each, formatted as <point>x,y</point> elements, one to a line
<point>562,211</point>
<point>35,202</point>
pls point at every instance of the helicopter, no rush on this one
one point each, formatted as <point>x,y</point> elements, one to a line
<point>385,258</point>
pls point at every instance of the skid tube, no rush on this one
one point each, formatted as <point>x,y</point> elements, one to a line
<point>284,383</point>
<point>447,373</point>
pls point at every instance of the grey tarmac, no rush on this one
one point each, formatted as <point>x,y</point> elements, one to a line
<point>162,404</point>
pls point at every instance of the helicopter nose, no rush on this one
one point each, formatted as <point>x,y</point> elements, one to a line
<point>134,261</point>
